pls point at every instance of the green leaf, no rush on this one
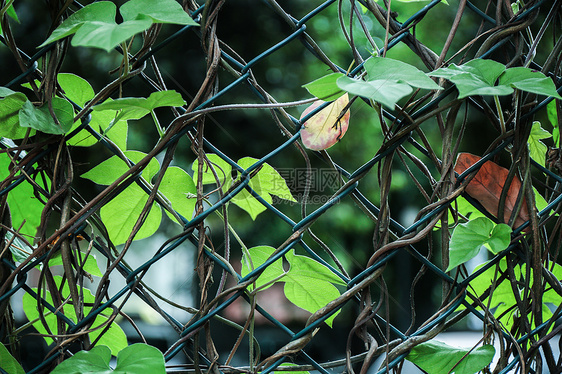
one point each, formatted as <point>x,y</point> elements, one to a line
<point>8,363</point>
<point>95,26</point>
<point>5,91</point>
<point>109,170</point>
<point>75,88</point>
<point>310,296</point>
<point>10,107</point>
<point>94,361</point>
<point>139,359</point>
<point>80,91</point>
<point>383,68</point>
<point>435,357</point>
<point>502,295</point>
<point>385,92</point>
<point>120,215</point>
<point>101,11</point>
<point>41,119</point>
<point>308,284</point>
<point>258,256</point>
<point>249,203</point>
<point>502,300</point>
<point>114,337</point>
<point>540,202</point>
<point>307,267</point>
<point>134,359</point>
<point>388,81</point>
<point>325,88</point>
<point>537,148</point>
<point>476,77</point>
<point>108,35</point>
<point>24,206</point>
<point>499,239</point>
<point>516,6</point>
<point>176,185</point>
<point>487,71</point>
<point>90,266</point>
<point>138,107</point>
<point>12,13</point>
<point>468,238</point>
<point>467,209</point>
<point>552,114</point>
<point>220,167</point>
<point>287,364</point>
<point>528,80</point>
<point>266,183</point>
<point>267,180</point>
<point>100,122</point>
<point>161,11</point>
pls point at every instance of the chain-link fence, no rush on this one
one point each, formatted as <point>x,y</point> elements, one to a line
<point>352,189</point>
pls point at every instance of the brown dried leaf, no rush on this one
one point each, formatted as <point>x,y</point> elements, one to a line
<point>487,185</point>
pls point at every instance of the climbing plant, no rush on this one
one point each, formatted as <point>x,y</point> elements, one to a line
<point>467,118</point>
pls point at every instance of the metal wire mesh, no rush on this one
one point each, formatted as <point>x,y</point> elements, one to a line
<point>403,134</point>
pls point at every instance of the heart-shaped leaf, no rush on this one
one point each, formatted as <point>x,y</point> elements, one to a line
<point>95,26</point>
<point>435,357</point>
<point>326,127</point>
<point>538,149</point>
<point>468,238</point>
<point>134,359</point>
<point>525,79</point>
<point>479,77</point>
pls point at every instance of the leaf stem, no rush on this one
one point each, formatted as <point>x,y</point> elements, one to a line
<point>157,123</point>
<point>125,58</point>
<point>500,113</point>
<point>231,229</point>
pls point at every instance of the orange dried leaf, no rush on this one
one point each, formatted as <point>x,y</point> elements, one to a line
<point>325,128</point>
<point>487,185</point>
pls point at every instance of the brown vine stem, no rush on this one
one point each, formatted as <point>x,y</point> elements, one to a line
<point>427,55</point>
<point>297,345</point>
<point>450,37</point>
<point>87,210</point>
<point>106,91</point>
<point>503,33</point>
